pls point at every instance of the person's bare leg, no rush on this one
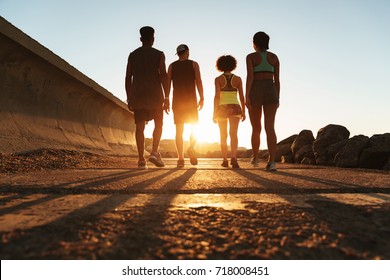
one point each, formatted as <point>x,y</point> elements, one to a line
<point>223,137</point>
<point>233,131</point>
<point>179,140</point>
<point>255,118</point>
<point>269,124</point>
<point>157,132</point>
<point>193,139</point>
<point>140,139</point>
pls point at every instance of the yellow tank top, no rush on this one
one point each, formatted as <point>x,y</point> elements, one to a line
<point>228,93</point>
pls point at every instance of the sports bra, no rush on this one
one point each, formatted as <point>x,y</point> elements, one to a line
<point>264,66</point>
<point>228,93</point>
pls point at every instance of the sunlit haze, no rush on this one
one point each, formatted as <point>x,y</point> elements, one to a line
<point>334,55</point>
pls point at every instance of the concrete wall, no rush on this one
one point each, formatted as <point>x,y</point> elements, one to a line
<point>47,103</point>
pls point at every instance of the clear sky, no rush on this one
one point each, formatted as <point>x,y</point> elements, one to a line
<point>335,58</point>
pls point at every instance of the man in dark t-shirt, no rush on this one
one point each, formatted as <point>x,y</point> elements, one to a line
<point>185,77</point>
<point>146,78</point>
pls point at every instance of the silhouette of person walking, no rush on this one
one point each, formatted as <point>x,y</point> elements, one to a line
<point>146,78</point>
<point>262,94</point>
<point>185,77</point>
<point>227,107</point>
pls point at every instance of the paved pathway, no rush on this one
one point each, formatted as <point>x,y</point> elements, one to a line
<point>299,212</point>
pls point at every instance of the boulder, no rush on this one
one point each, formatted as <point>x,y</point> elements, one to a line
<point>377,154</point>
<point>348,156</point>
<point>302,146</point>
<point>264,154</point>
<point>288,140</point>
<point>287,159</point>
<point>304,138</point>
<point>304,152</point>
<point>307,160</point>
<point>326,137</point>
<point>283,148</point>
<point>387,166</point>
<point>334,149</point>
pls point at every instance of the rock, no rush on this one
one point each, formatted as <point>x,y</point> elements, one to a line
<point>302,146</point>
<point>304,152</point>
<point>304,138</point>
<point>288,140</point>
<point>287,158</point>
<point>334,149</point>
<point>263,154</point>
<point>307,160</point>
<point>387,166</point>
<point>326,137</point>
<point>349,155</point>
<point>283,148</point>
<point>246,154</point>
<point>377,154</point>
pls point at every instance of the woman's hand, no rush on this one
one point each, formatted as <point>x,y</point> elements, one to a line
<point>243,116</point>
<point>166,105</point>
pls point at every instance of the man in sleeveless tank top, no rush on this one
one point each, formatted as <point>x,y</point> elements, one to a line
<point>146,78</point>
<point>185,77</point>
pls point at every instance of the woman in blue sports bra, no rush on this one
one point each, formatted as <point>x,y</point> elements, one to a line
<point>262,95</point>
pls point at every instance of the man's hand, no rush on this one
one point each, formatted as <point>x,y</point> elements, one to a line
<point>243,116</point>
<point>129,105</point>
<point>166,105</point>
<point>247,102</point>
<point>200,103</point>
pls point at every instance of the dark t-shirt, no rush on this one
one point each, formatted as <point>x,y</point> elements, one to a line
<point>147,90</point>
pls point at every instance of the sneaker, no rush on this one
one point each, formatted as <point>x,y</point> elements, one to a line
<point>192,155</point>
<point>142,164</point>
<point>155,158</point>
<point>180,163</point>
<point>255,162</point>
<point>234,163</point>
<point>271,166</point>
<point>225,163</point>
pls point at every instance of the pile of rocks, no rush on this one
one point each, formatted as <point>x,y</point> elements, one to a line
<point>333,147</point>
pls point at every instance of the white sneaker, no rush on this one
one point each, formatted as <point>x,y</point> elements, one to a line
<point>271,166</point>
<point>155,158</point>
<point>255,162</point>
<point>142,164</point>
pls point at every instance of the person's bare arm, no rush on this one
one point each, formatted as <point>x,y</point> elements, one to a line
<point>128,82</point>
<point>249,79</point>
<point>164,81</point>
<point>199,84</point>
<point>242,99</point>
<point>216,98</point>
<point>169,78</point>
<point>276,75</point>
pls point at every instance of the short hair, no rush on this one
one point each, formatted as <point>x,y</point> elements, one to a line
<point>147,33</point>
<point>226,63</point>
<point>261,40</point>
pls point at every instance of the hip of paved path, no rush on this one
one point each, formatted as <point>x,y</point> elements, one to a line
<point>196,212</point>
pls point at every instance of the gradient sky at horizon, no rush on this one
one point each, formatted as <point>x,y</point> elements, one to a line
<point>335,60</point>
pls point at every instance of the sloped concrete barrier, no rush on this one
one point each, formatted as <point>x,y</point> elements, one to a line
<point>47,103</point>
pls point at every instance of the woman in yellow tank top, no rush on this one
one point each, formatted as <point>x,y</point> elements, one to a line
<point>227,107</point>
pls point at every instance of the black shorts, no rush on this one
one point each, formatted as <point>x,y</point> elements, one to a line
<point>147,115</point>
<point>188,115</point>
<point>263,92</point>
